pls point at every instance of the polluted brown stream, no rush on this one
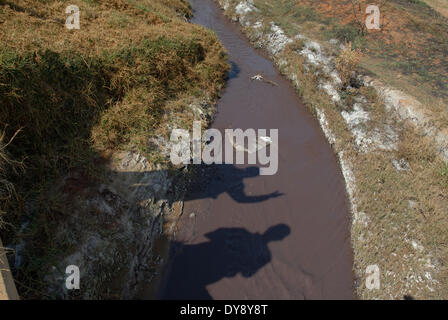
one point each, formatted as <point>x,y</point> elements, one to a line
<point>243,235</point>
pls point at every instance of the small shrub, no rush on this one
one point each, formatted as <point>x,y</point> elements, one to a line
<point>347,62</point>
<point>345,33</point>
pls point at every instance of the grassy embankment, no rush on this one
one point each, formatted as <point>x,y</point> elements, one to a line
<point>67,96</point>
<point>404,222</point>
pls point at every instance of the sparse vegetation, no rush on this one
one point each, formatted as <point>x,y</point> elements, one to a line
<point>347,62</point>
<point>358,16</point>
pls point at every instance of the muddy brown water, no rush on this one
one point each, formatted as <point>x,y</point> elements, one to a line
<point>247,236</point>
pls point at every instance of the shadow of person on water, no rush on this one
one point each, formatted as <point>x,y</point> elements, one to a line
<point>209,181</point>
<point>229,251</point>
<point>225,178</point>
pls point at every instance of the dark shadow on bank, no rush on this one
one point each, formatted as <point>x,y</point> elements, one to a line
<point>234,70</point>
<point>227,253</point>
<point>205,181</point>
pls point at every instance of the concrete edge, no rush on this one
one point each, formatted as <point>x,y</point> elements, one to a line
<point>8,289</point>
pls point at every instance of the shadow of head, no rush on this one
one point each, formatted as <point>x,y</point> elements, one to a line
<point>276,233</point>
<point>228,252</point>
<point>238,250</point>
<point>249,172</point>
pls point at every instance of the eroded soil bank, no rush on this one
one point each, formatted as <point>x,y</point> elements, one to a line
<point>246,236</point>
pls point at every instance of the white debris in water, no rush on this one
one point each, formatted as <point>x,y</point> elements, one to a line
<point>258,77</point>
<point>261,143</point>
<point>266,139</point>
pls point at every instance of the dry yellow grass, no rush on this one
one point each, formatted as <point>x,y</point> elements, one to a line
<point>347,62</point>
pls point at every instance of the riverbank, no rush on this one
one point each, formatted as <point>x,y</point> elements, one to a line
<point>85,177</point>
<point>390,152</point>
